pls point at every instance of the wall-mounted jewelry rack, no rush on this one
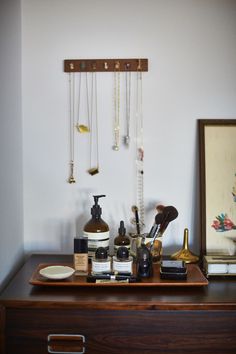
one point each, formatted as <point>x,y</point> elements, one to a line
<point>95,65</point>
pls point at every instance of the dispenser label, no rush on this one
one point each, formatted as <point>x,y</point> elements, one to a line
<point>95,240</point>
<point>116,247</point>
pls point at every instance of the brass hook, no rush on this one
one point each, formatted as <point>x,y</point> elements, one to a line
<point>106,66</point>
<point>117,65</point>
<point>139,67</point>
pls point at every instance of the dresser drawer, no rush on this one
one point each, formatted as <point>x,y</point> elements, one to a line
<point>41,331</point>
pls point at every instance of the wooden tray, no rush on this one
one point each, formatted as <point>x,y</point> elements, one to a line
<point>194,278</point>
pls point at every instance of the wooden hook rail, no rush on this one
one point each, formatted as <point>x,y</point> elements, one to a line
<point>95,65</point>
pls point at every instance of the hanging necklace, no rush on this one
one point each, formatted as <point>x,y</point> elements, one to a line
<point>139,148</point>
<point>116,125</point>
<point>72,123</point>
<point>82,128</point>
<point>128,94</point>
<point>94,153</point>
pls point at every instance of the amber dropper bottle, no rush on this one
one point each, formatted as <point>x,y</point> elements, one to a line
<point>121,239</point>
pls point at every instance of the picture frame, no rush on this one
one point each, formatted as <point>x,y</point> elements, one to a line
<point>217,157</point>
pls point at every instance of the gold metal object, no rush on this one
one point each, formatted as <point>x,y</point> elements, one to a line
<point>106,66</point>
<point>185,254</point>
<point>139,67</point>
<point>117,65</point>
<point>82,128</point>
<point>94,153</point>
<point>156,249</point>
<point>127,114</point>
<point>93,171</point>
<point>71,178</point>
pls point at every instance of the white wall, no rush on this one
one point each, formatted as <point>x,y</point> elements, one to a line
<point>190,45</point>
<point>11,197</point>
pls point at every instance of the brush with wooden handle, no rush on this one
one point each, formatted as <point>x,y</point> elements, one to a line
<point>168,214</point>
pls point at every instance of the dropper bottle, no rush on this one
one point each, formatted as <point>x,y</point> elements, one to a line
<point>121,239</point>
<point>96,229</point>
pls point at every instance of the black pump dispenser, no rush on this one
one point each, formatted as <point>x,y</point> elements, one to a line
<point>96,210</point>
<point>122,229</point>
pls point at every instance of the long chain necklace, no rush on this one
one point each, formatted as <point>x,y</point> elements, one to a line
<point>72,124</point>
<point>116,127</point>
<point>82,128</point>
<point>94,127</point>
<point>139,148</point>
<point>127,115</point>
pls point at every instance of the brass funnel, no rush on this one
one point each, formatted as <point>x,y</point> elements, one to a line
<point>185,254</point>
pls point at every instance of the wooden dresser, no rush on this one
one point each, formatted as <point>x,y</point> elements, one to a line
<point>121,320</point>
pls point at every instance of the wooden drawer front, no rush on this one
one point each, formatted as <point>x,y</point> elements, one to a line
<point>123,331</point>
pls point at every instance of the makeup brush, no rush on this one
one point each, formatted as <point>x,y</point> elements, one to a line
<point>168,214</point>
<point>135,211</point>
<point>158,220</point>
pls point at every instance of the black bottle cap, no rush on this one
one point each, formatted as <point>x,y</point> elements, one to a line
<point>81,245</point>
<point>122,253</point>
<point>144,253</point>
<point>122,229</point>
<point>101,253</point>
<point>96,210</point>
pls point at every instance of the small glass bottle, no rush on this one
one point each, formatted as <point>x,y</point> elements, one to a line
<point>123,262</point>
<point>101,262</point>
<point>81,256</point>
<point>121,239</point>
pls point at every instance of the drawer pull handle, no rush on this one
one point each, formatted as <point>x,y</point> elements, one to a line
<point>66,343</point>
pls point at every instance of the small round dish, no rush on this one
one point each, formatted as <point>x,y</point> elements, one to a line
<point>56,272</point>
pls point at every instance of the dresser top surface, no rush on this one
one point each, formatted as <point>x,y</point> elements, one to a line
<point>220,293</point>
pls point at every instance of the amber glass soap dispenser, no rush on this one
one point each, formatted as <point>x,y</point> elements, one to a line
<point>96,229</point>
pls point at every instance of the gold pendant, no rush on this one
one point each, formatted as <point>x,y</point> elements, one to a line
<point>82,128</point>
<point>71,180</point>
<point>93,171</point>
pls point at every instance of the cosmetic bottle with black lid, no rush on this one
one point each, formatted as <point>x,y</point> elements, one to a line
<point>101,262</point>
<point>122,262</point>
<point>96,229</point>
<point>121,239</point>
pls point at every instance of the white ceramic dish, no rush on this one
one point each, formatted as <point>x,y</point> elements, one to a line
<point>57,272</point>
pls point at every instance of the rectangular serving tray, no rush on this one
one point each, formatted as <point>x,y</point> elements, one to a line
<point>194,278</point>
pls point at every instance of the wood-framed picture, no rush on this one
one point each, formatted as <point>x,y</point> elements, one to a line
<point>217,145</point>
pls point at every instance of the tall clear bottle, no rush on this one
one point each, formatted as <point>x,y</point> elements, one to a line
<point>96,229</point>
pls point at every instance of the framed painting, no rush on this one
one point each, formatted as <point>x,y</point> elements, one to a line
<point>217,143</point>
